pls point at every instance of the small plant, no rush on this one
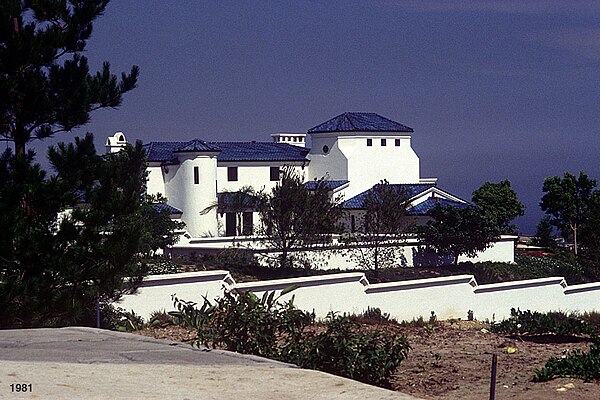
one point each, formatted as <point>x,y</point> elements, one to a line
<point>160,318</point>
<point>126,321</point>
<point>432,318</point>
<point>373,316</point>
<point>536,323</point>
<point>578,364</point>
<point>437,357</point>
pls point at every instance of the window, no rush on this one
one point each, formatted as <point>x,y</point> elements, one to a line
<point>325,149</point>
<point>196,175</point>
<point>369,142</point>
<point>397,142</point>
<point>232,174</point>
<point>274,173</point>
<point>383,143</point>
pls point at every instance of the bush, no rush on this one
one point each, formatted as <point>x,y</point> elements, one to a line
<point>536,323</point>
<point>119,319</point>
<point>578,364</point>
<point>244,323</point>
<point>342,349</point>
<point>263,326</point>
<point>373,316</point>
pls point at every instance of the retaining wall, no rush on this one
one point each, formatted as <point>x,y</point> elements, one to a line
<point>449,297</point>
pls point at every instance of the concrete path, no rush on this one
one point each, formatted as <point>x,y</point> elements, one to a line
<point>76,363</point>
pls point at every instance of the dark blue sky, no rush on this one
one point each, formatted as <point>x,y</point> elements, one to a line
<point>494,90</point>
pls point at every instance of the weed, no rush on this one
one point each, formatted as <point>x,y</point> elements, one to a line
<point>373,316</point>
<point>536,323</point>
<point>578,364</point>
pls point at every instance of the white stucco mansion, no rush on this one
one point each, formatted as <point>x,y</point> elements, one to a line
<point>352,151</point>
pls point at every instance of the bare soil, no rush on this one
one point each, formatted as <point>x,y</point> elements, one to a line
<point>452,360</point>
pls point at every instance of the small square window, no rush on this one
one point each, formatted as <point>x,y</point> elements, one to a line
<point>232,174</point>
<point>369,142</point>
<point>274,173</point>
<point>196,175</point>
<point>397,142</point>
<point>383,142</point>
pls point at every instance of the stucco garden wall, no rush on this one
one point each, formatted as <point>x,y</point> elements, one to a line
<point>448,297</point>
<point>335,256</point>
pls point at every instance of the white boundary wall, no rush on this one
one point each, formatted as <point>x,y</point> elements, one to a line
<point>449,297</point>
<point>156,290</point>
<point>333,255</point>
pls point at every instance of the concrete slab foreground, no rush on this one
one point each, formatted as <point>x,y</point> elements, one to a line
<point>74,363</point>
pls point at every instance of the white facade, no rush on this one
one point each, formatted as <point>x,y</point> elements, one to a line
<point>363,158</point>
<point>356,150</point>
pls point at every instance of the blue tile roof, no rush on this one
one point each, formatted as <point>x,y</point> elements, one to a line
<point>260,151</point>
<point>411,190</point>
<point>229,151</point>
<point>160,207</point>
<point>197,145</point>
<point>360,122</point>
<point>425,207</point>
<point>331,185</point>
<point>162,151</point>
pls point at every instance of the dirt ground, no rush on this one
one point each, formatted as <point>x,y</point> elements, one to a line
<point>452,360</point>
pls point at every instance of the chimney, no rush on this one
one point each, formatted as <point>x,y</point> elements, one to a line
<point>115,143</point>
<point>295,139</point>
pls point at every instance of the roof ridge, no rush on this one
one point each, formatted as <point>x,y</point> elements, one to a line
<point>346,115</point>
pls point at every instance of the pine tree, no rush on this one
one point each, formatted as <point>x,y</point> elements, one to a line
<point>46,86</point>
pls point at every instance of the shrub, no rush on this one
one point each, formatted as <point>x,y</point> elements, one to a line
<point>244,323</point>
<point>578,364</point>
<point>536,323</point>
<point>264,326</point>
<point>160,318</point>
<point>342,349</point>
<point>373,316</point>
<point>119,319</point>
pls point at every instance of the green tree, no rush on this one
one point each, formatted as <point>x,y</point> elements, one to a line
<point>544,234</point>
<point>590,240</point>
<point>46,86</point>
<point>294,217</point>
<point>567,200</point>
<point>499,203</point>
<point>77,237</point>
<point>375,244</point>
<point>455,231</point>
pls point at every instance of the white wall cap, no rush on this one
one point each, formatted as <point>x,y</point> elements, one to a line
<point>422,283</point>
<point>584,287</point>
<point>523,284</point>
<point>277,284</point>
<point>187,277</point>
